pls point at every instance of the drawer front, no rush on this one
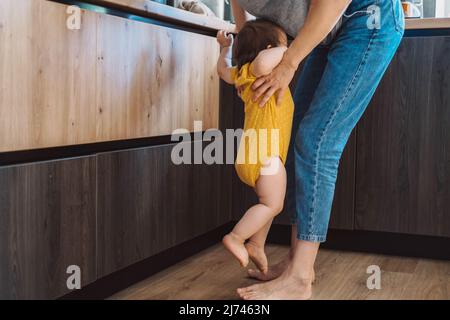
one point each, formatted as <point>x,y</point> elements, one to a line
<point>403,144</point>
<point>47,223</point>
<point>147,204</point>
<point>113,79</point>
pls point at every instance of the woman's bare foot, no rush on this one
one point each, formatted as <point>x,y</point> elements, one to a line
<point>285,287</point>
<point>274,271</point>
<point>236,246</point>
<point>258,256</point>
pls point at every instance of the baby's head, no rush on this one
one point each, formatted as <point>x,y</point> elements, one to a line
<point>254,37</point>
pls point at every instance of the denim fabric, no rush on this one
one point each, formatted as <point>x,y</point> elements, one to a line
<point>334,88</point>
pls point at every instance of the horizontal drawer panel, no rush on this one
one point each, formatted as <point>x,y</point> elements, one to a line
<point>113,79</point>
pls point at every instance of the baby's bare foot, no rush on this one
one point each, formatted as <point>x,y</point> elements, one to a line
<point>236,246</point>
<point>258,256</point>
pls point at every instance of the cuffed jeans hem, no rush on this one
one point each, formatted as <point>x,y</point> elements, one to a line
<point>312,238</point>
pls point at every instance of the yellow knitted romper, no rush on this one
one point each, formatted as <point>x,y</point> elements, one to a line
<point>260,141</point>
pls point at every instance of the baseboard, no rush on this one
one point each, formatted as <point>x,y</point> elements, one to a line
<point>122,279</point>
<point>375,242</point>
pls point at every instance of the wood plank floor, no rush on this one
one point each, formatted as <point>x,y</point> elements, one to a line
<point>213,274</point>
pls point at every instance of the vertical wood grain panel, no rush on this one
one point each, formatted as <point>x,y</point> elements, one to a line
<point>47,76</point>
<point>61,87</point>
<point>403,146</point>
<point>139,206</point>
<point>152,80</point>
<point>147,204</point>
<point>47,223</point>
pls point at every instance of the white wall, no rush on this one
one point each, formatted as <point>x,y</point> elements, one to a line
<point>442,8</point>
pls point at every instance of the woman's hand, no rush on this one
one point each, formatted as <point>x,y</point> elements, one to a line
<point>277,82</point>
<point>224,39</point>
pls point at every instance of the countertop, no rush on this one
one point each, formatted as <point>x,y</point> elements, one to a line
<point>428,23</point>
<point>174,15</point>
<point>167,13</point>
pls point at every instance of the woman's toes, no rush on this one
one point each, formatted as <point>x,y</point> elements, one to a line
<point>247,289</point>
<point>242,291</point>
<point>246,295</point>
<point>249,296</point>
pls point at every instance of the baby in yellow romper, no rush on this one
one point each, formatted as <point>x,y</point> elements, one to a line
<point>258,48</point>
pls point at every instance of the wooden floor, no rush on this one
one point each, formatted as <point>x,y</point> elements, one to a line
<point>213,274</point>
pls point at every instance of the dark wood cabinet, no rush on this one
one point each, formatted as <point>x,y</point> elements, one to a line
<point>139,204</point>
<point>403,144</point>
<point>211,192</point>
<point>147,204</point>
<point>47,223</point>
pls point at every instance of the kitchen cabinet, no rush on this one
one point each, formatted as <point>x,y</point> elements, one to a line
<point>47,76</point>
<point>140,66</point>
<point>142,208</point>
<point>47,223</point>
<point>212,197</point>
<point>147,204</point>
<point>403,144</point>
<point>113,79</point>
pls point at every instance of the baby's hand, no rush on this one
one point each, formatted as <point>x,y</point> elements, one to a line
<point>224,39</point>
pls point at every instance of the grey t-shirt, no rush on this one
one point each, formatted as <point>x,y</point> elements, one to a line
<point>289,14</point>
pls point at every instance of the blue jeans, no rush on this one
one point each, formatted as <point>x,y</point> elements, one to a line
<point>334,88</point>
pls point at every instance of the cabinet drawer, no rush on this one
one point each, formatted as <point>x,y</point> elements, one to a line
<point>403,171</point>
<point>147,204</point>
<point>152,80</point>
<point>113,79</point>
<point>47,223</point>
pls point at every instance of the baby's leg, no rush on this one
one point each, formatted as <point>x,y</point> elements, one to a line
<point>270,190</point>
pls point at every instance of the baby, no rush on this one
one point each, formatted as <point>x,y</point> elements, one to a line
<point>257,50</point>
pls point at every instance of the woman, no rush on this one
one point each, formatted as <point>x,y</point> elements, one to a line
<point>348,46</point>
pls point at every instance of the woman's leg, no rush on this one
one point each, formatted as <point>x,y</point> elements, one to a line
<point>356,62</point>
<point>270,190</point>
<point>306,85</point>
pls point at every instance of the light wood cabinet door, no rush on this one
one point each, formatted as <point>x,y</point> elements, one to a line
<point>113,79</point>
<point>47,76</point>
<point>152,79</point>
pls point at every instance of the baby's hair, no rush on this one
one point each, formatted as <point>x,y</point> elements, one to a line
<point>255,36</point>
